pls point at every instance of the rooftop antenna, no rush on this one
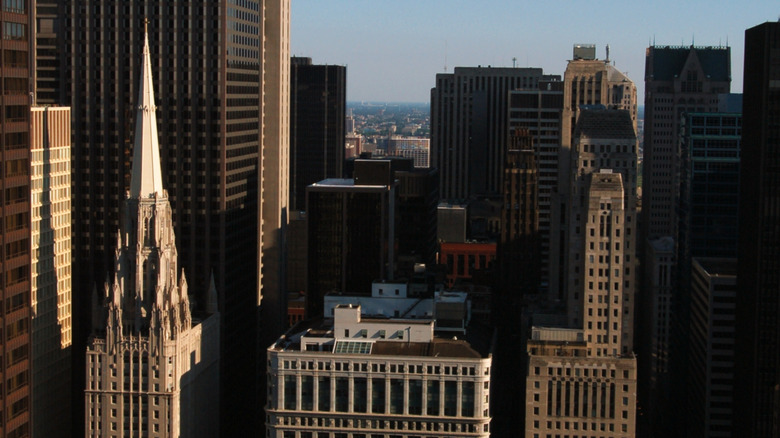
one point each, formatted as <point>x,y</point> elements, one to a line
<point>514,62</point>
<point>445,56</point>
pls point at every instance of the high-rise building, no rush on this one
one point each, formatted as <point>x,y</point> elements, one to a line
<point>756,394</point>
<point>470,127</point>
<point>318,102</point>
<point>224,129</point>
<point>583,376</point>
<point>587,82</point>
<point>539,111</point>
<point>152,361</point>
<point>677,80</point>
<point>602,233</point>
<point>519,247</point>
<point>50,270</point>
<point>16,366</point>
<point>383,368</point>
<point>711,383</point>
<point>351,232</point>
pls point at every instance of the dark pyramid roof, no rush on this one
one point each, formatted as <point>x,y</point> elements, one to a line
<point>669,61</point>
<point>603,123</point>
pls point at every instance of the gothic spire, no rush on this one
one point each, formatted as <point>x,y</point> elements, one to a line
<point>146,179</point>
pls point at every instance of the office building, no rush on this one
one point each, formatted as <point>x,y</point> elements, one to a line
<point>677,79</point>
<point>152,362</point>
<point>470,127</point>
<point>711,383</point>
<point>539,111</point>
<point>16,366</point>
<point>318,101</point>
<point>582,376</point>
<point>602,233</point>
<point>351,232</point>
<point>519,248</point>
<point>50,269</point>
<point>224,130</point>
<point>756,401</point>
<point>359,372</point>
<point>587,82</point>
<point>570,393</point>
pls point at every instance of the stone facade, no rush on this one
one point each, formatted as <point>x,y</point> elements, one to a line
<point>152,366</point>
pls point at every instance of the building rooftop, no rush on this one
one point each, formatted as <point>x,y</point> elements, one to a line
<point>718,267</point>
<point>668,61</point>
<point>605,124</point>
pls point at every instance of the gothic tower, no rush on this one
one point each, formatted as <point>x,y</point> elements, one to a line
<point>145,336</point>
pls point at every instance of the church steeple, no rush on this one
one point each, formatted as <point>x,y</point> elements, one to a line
<point>146,179</point>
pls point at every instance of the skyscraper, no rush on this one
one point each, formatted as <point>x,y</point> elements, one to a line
<point>677,79</point>
<point>318,102</point>
<point>152,362</point>
<point>583,376</point>
<point>588,81</point>
<point>15,369</point>
<point>539,111</point>
<point>52,334</point>
<point>223,124</point>
<point>602,234</point>
<point>757,397</point>
<point>469,127</point>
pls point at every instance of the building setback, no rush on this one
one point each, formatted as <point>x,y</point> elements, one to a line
<point>52,334</point>
<point>587,83</point>
<point>318,101</point>
<point>756,401</point>
<point>16,366</point>
<point>152,363</point>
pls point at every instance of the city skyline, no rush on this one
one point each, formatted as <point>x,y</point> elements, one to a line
<point>394,50</point>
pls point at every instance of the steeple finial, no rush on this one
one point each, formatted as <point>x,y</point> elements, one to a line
<point>146,179</point>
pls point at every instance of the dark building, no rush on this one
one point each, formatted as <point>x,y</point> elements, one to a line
<point>711,383</point>
<point>470,127</point>
<point>351,232</point>
<point>678,79</point>
<point>15,86</point>
<point>318,102</point>
<point>51,70</point>
<point>519,247</point>
<point>539,111</point>
<point>709,185</point>
<point>757,386</point>
<point>216,62</point>
<point>418,196</point>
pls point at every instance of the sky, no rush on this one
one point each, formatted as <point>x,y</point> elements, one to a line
<point>393,49</point>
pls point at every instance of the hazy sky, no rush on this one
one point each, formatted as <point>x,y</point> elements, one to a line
<point>394,48</point>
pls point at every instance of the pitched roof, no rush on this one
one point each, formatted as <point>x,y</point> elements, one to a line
<point>668,61</point>
<point>604,123</point>
<point>146,178</point>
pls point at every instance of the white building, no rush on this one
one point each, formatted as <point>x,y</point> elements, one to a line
<point>356,376</point>
<point>152,366</point>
